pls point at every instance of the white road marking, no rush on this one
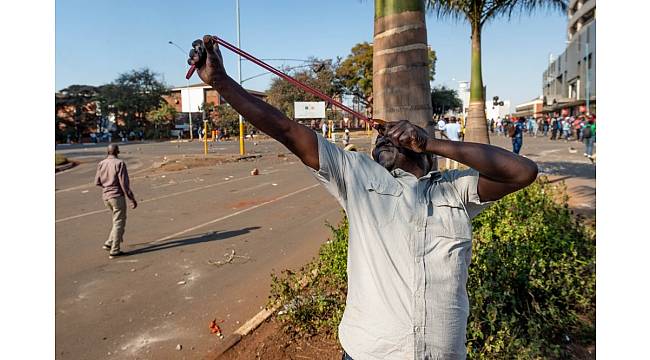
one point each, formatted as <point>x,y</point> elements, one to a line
<point>161,197</point>
<point>232,214</point>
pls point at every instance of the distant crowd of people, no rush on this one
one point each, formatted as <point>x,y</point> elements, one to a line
<point>580,128</point>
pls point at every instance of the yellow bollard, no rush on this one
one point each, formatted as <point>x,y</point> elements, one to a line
<point>205,138</point>
<point>242,149</point>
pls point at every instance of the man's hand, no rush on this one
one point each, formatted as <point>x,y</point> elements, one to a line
<point>404,134</point>
<point>134,204</point>
<point>206,56</point>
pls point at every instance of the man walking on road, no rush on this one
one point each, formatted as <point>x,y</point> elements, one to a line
<point>113,177</point>
<point>452,132</point>
<point>588,136</point>
<point>518,135</point>
<point>410,225</point>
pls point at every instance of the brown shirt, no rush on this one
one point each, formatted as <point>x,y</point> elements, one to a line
<point>113,178</point>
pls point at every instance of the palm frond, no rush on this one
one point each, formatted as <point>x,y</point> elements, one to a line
<point>456,10</point>
<point>481,11</point>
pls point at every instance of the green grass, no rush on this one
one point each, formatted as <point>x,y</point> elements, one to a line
<point>60,160</point>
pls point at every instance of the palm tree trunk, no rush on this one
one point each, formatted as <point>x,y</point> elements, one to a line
<point>400,79</point>
<point>476,125</point>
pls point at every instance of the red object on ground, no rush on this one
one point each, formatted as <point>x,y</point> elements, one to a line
<point>291,80</point>
<point>214,328</point>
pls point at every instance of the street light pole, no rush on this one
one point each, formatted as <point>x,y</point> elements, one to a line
<point>189,104</point>
<point>242,149</point>
<point>587,75</point>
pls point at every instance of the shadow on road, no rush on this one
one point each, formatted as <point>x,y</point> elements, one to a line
<point>583,170</point>
<point>210,236</point>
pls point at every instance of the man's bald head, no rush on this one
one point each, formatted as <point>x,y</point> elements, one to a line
<point>113,149</point>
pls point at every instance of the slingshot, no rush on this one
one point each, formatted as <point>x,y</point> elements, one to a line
<point>376,123</point>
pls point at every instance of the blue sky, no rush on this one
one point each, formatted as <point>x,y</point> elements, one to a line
<point>97,40</point>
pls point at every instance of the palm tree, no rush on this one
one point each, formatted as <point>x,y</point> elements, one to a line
<point>477,13</point>
<point>400,64</point>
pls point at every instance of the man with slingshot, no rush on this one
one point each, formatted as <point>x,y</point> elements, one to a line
<point>410,225</point>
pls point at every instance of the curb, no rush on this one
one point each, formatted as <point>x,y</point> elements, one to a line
<point>252,324</point>
<point>63,167</point>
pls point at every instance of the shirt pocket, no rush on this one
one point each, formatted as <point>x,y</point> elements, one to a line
<point>383,197</point>
<point>449,216</point>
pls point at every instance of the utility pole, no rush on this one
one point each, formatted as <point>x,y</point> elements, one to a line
<point>587,75</point>
<point>242,148</point>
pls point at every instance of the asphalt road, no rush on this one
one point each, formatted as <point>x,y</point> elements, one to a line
<point>168,290</point>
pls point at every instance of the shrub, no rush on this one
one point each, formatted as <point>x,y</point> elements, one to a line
<point>532,279</point>
<point>531,282</point>
<point>59,159</point>
<point>314,297</point>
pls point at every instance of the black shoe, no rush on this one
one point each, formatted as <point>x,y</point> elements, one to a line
<point>116,254</point>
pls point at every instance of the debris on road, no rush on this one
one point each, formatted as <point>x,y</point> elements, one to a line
<point>274,184</point>
<point>229,258</point>
<point>215,329</point>
<point>255,172</point>
<point>179,347</point>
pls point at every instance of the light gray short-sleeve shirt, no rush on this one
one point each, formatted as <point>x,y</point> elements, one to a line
<point>408,257</point>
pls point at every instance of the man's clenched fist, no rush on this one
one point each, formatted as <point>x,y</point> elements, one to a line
<point>404,134</point>
<point>206,56</point>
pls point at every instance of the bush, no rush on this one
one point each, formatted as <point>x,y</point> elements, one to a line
<point>532,279</point>
<point>531,282</point>
<point>59,159</point>
<point>314,297</point>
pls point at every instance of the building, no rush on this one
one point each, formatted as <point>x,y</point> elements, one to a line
<point>491,111</point>
<point>463,94</point>
<point>530,108</point>
<point>190,98</point>
<point>569,82</point>
<point>497,111</point>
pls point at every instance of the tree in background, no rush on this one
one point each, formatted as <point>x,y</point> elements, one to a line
<point>401,65</point>
<point>227,119</point>
<point>163,119</point>
<point>443,99</point>
<point>131,96</point>
<point>321,76</point>
<point>477,13</point>
<point>355,72</point>
<point>75,111</point>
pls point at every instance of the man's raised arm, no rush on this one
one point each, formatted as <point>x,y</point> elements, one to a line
<point>299,139</point>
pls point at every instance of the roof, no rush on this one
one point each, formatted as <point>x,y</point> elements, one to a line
<point>206,86</point>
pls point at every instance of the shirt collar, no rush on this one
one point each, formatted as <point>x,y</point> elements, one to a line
<point>433,174</point>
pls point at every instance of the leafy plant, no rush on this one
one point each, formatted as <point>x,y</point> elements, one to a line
<point>532,280</point>
<point>314,297</point>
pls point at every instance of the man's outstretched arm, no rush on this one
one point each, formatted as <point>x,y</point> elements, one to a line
<point>299,139</point>
<point>501,172</point>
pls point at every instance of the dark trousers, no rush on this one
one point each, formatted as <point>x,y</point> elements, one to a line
<point>516,144</point>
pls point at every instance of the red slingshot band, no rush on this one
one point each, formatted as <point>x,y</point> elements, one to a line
<point>291,80</point>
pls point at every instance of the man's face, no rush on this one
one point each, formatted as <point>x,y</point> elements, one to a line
<point>385,153</point>
<point>392,157</point>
